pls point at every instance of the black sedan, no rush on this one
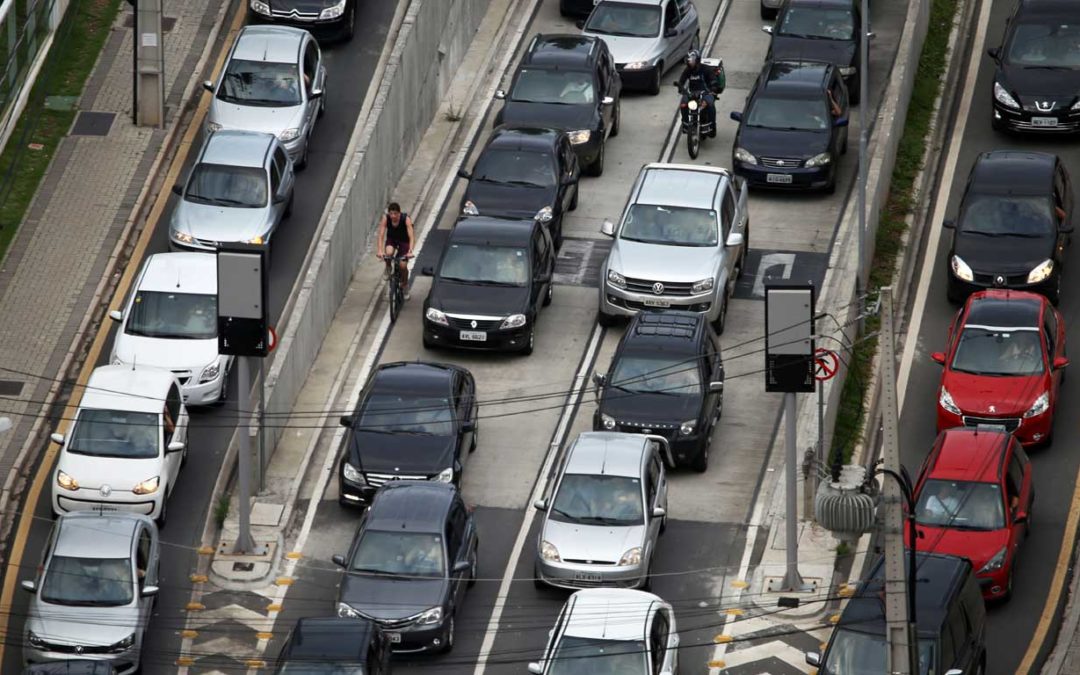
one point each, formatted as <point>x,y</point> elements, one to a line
<point>794,127</point>
<point>524,172</point>
<point>325,19</point>
<point>1014,224</point>
<point>415,420</point>
<point>1037,80</point>
<point>334,646</point>
<point>820,30</point>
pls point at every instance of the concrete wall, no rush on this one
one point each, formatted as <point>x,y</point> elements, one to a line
<point>433,39</point>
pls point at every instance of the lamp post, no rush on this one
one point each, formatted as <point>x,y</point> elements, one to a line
<point>907,489</point>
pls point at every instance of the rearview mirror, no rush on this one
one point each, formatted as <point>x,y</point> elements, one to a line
<point>346,421</point>
<point>766,29</point>
<point>208,85</point>
<point>1060,362</point>
<point>607,100</point>
<point>464,173</point>
<point>716,387</point>
<point>57,438</point>
<point>948,223</point>
<point>840,122</point>
<point>149,591</point>
<point>813,659</point>
<point>735,239</point>
<point>736,115</point>
<point>994,53</point>
<point>500,94</point>
<point>116,315</point>
<point>540,505</point>
<point>938,357</point>
<point>608,228</point>
<point>178,189</point>
<point>338,559</point>
<point>174,446</point>
<point>535,669</point>
<point>659,512</point>
<point>29,585</point>
<point>427,271</point>
<point>315,93</point>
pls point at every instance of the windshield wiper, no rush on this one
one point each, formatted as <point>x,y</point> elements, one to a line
<point>1048,68</point>
<point>488,282</point>
<point>619,33</point>
<point>564,514</point>
<point>379,573</point>
<point>524,183</point>
<point>601,520</point>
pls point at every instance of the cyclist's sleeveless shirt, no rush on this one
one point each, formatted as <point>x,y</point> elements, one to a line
<point>397,235</point>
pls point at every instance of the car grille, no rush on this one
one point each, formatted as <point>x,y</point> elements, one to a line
<point>377,479</point>
<point>636,305</point>
<point>294,14</point>
<point>1062,127</point>
<point>668,431</point>
<point>73,649</point>
<point>182,376</point>
<point>1010,423</point>
<point>588,562</point>
<point>1010,279</point>
<point>466,323</point>
<point>781,162</point>
<point>646,286</point>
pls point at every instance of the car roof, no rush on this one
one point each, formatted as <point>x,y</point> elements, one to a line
<point>407,506</point>
<point>127,388</point>
<point>87,534</point>
<point>679,185</point>
<point>649,3</point>
<point>331,637</point>
<point>180,273</point>
<point>607,453</point>
<point>523,138</point>
<point>232,147</point>
<point>1013,172</point>
<point>832,4</point>
<point>794,77</point>
<point>493,231</point>
<point>1004,309</point>
<point>963,454</point>
<point>561,50</point>
<point>1047,7</point>
<point>610,613</point>
<point>416,377</point>
<point>665,330</point>
<point>275,44</point>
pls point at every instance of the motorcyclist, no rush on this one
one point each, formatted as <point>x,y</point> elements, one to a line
<point>698,78</point>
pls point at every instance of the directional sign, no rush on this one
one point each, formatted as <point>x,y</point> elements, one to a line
<point>826,364</point>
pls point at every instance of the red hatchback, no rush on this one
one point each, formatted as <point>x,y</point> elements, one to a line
<point>973,500</point>
<point>1004,364</point>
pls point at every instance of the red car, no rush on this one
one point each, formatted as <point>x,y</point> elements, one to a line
<point>1004,364</point>
<point>973,500</point>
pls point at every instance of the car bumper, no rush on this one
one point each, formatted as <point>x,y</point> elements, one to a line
<point>995,585</point>
<point>90,500</point>
<point>354,494</point>
<point>125,663</point>
<point>620,302</point>
<point>588,151</point>
<point>1028,430</point>
<point>323,30</point>
<point>295,147</point>
<point>1061,121</point>
<point>637,79</point>
<point>412,639</point>
<point>800,178</point>
<point>576,576</point>
<point>512,339</point>
<point>1017,282</point>
<point>684,447</point>
<point>206,393</point>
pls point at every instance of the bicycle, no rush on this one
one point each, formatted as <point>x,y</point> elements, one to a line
<point>394,293</point>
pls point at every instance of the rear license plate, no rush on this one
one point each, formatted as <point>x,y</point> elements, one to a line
<point>1044,121</point>
<point>778,178</point>
<point>656,303</point>
<point>395,638</point>
<point>586,576</point>
<point>473,336</point>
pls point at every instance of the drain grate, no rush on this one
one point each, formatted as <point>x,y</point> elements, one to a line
<point>93,124</point>
<point>11,387</point>
<point>167,22</point>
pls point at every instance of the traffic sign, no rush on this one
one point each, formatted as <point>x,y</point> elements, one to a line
<point>272,342</point>
<point>826,364</point>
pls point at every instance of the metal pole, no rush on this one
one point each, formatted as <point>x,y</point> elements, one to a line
<point>149,65</point>
<point>261,428</point>
<point>864,134</point>
<point>912,580</point>
<point>792,580</point>
<point>244,542</point>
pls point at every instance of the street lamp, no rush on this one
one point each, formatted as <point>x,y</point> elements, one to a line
<point>907,489</point>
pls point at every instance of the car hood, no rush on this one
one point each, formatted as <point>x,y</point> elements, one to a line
<point>172,354</point>
<point>389,599</point>
<point>219,223</point>
<point>644,408</point>
<point>404,454</point>
<point>626,49</point>
<point>119,473</point>
<point>304,6</point>
<point>549,115</point>
<point>83,625</point>
<point>1031,84</point>
<point>454,297</point>
<point>780,143</point>
<point>1010,396</point>
<point>685,264</point>
<point>255,118</point>
<point>977,546</point>
<point>1003,255</point>
<point>592,542</point>
<point>838,52</point>
<point>512,201</point>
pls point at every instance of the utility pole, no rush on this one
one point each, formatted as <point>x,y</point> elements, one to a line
<point>900,631</point>
<point>244,542</point>
<point>149,55</point>
<point>864,135</point>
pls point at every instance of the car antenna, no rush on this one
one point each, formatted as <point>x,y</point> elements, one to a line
<point>178,278</point>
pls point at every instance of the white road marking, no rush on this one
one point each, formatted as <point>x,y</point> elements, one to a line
<point>772,260</point>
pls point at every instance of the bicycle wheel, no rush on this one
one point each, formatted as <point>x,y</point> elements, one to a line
<point>394,291</point>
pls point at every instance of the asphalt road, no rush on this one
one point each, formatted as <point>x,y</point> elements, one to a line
<point>349,68</point>
<point>1011,625</point>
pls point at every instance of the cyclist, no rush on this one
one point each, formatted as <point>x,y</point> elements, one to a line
<point>396,238</point>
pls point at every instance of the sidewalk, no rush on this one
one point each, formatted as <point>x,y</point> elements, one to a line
<point>63,261</point>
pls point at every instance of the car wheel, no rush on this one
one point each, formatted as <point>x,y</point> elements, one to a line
<point>1054,296</point>
<point>428,344</point>
<point>855,93</point>
<point>996,124</point>
<point>573,201</point>
<point>654,86</point>
<point>616,119</point>
<point>700,463</point>
<point>696,42</point>
<point>952,292</point>
<point>448,646</point>
<point>550,294</point>
<point>538,583</point>
<point>164,515</point>
<point>1007,595</point>
<point>830,187</point>
<point>646,583</point>
<point>663,525</point>
<point>718,324</point>
<point>475,439</point>
<point>350,23</point>
<point>472,570</point>
<point>745,249</point>
<point>606,320</point>
<point>597,167</point>
<point>528,348</point>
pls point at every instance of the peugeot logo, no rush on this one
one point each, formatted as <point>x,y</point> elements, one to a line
<point>106,490</point>
<point>658,288</point>
<point>473,323</point>
<point>991,409</point>
<point>1045,106</point>
<point>999,280</point>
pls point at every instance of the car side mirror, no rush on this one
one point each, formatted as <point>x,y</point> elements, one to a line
<point>1060,362</point>
<point>767,29</point>
<point>607,100</point>
<point>540,505</point>
<point>813,659</point>
<point>1065,228</point>
<point>580,24</point>
<point>734,239</point>
<point>599,379</point>
<point>948,224</point>
<point>174,446</point>
<point>608,228</point>
<point>315,93</point>
<point>29,585</point>
<point>500,94</point>
<point>994,53</point>
<point>840,122</point>
<point>346,421</point>
<point>535,669</point>
<point>462,566</point>
<point>427,271</point>
<point>464,173</point>
<point>178,189</point>
<point>468,426</point>
<point>716,387</point>
<point>57,438</point>
<point>938,357</point>
<point>149,591</point>
<point>338,559</point>
<point>208,86</point>
<point>671,32</point>
<point>1020,518</point>
<point>280,199</point>
<point>659,512</point>
<point>736,116</point>
<point>116,315</point>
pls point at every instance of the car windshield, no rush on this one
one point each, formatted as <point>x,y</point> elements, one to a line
<point>670,225</point>
<point>624,19</point>
<point>960,505</point>
<point>856,653</point>
<point>1044,45</point>
<point>999,351</point>
<point>589,656</point>
<point>482,264</point>
<point>320,668</point>
<point>788,114</point>
<point>650,375</point>
<point>116,433</point>
<point>183,316</point>
<point>1008,215</point>
<point>407,554</point>
<point>233,186</point>
<point>515,167</point>
<point>591,499</point>
<point>272,85</point>
<point>88,582</point>
<point>818,23</point>
<point>407,413</point>
<point>567,87</point>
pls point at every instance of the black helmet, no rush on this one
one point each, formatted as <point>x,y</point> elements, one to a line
<point>693,57</point>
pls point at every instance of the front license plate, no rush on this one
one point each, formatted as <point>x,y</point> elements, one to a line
<point>783,178</point>
<point>395,638</point>
<point>586,576</point>
<point>656,303</point>
<point>1044,121</point>
<point>473,336</point>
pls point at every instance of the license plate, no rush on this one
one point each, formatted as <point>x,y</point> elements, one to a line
<point>586,576</point>
<point>656,303</point>
<point>1044,121</point>
<point>395,638</point>
<point>778,178</point>
<point>473,336</point>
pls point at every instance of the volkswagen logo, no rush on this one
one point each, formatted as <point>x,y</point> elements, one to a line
<point>78,649</point>
<point>658,288</point>
<point>106,490</point>
<point>999,280</point>
<point>1045,106</point>
<point>473,323</point>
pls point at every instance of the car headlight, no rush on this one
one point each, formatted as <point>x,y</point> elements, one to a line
<point>637,65</point>
<point>288,135</point>
<point>608,421</point>
<point>631,557</point>
<point>123,645</point>
<point>260,7</point>
<point>703,285</point>
<point>819,160</point>
<point>1075,106</point>
<point>33,639</point>
<point>347,612</point>
<point>549,552</point>
<point>210,372</point>
<point>432,616</point>
<point>257,239</point>
<point>961,269</point>
<point>579,137</point>
<point>995,563</point>
<point>435,316</point>
<point>692,105</point>
<point>213,126</point>
<point>1004,97</point>
<point>469,209</point>
<point>687,427</point>
<point>848,71</point>
<point>1042,272</point>
<point>445,476</point>
<point>545,214</point>
<point>183,237</point>
<point>945,399</point>
<point>1041,405</point>
<point>352,474</point>
<point>744,156</point>
<point>513,321</point>
<point>334,11</point>
<point>67,482</point>
<point>148,486</point>
<point>615,279</point>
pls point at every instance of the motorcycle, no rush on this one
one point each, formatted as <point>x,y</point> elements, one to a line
<point>693,123</point>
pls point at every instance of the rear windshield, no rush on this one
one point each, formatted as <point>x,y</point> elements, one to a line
<point>624,19</point>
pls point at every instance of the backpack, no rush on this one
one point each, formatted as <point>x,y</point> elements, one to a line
<point>719,77</point>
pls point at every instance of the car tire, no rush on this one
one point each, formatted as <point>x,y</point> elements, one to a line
<point>1054,295</point>
<point>663,525</point>
<point>606,320</point>
<point>718,324</point>
<point>830,187</point>
<point>450,629</point>
<point>745,249</point>
<point>646,583</point>
<point>427,343</point>
<point>528,348</point>
<point>350,24</point>
<point>288,206</point>
<point>996,125</point>
<point>538,583</point>
<point>163,517</point>
<point>700,463</point>
<point>475,558</point>
<point>855,92</point>
<point>695,42</point>
<point>550,294</point>
<point>301,163</point>
<point>616,119</point>
<point>596,169</point>
<point>654,86</point>
<point>953,294</point>
<point>573,200</point>
<point>474,443</point>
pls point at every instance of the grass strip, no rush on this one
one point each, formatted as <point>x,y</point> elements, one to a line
<point>26,157</point>
<point>851,416</point>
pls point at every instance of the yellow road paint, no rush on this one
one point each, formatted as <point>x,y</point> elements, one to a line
<point>284,581</point>
<point>273,608</point>
<point>846,592</point>
<point>255,663</point>
<point>733,612</point>
<point>834,619</point>
<point>716,664</point>
<point>294,555</point>
<point>185,661</point>
<point>264,636</point>
<point>188,633</point>
<point>740,584</point>
<point>206,550</point>
<point>194,607</point>
<point>198,578</point>
<point>722,639</point>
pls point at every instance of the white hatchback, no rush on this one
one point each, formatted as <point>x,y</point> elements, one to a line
<point>170,322</point>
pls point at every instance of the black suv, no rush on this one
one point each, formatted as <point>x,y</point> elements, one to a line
<point>567,82</point>
<point>334,644</point>
<point>325,19</point>
<point>820,30</point>
<point>414,421</point>
<point>576,8</point>
<point>950,616</point>
<point>666,378</point>
<point>1014,224</point>
<point>409,564</point>
<point>492,278</point>
<point>524,172</point>
<point>1037,76</point>
<point>789,135</point>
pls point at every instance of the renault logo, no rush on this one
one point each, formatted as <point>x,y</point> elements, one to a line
<point>1045,106</point>
<point>999,280</point>
<point>473,323</point>
<point>106,490</point>
<point>658,288</point>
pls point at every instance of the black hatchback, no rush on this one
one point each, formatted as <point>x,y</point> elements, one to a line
<point>819,30</point>
<point>524,172</point>
<point>1036,84</point>
<point>794,127</point>
<point>334,645</point>
<point>1014,224</point>
<point>492,278</point>
<point>567,82</point>
<point>415,421</point>
<point>666,378</point>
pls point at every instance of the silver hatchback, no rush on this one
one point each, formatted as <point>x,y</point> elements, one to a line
<point>94,590</point>
<point>239,190</point>
<point>607,509</point>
